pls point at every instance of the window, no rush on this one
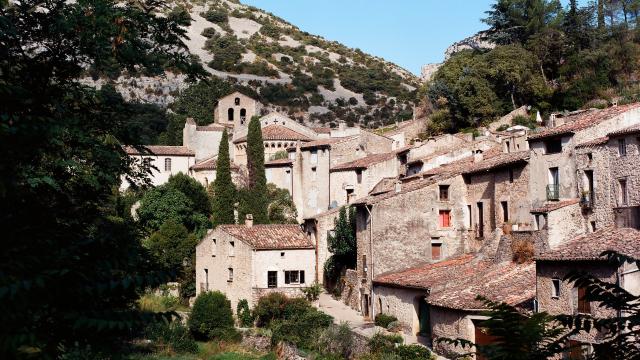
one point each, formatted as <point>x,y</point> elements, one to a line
<point>436,251</point>
<point>624,198</point>
<point>359,176</point>
<point>272,279</point>
<point>167,164</point>
<point>350,195</point>
<point>445,218</point>
<point>589,157</point>
<point>314,156</point>
<point>314,174</point>
<point>282,254</point>
<point>364,263</point>
<point>232,248</point>
<point>511,175</point>
<point>593,226</point>
<point>584,306</point>
<point>294,277</point>
<point>444,192</point>
<point>230,279</point>
<point>555,288</point>
<point>206,279</point>
<point>553,146</point>
<point>622,147</point>
<point>230,114</point>
<point>505,211</point>
<point>470,217</point>
<point>214,247</point>
<point>480,220</point>
<point>237,101</point>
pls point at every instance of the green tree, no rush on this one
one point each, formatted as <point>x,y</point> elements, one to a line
<point>281,208</point>
<point>211,316</point>
<point>198,100</point>
<point>70,268</point>
<point>193,190</point>
<point>164,203</point>
<point>172,246</point>
<point>515,21</point>
<point>224,190</point>
<point>342,244</point>
<point>254,199</point>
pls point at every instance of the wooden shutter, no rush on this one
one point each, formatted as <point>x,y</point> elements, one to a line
<point>435,251</point>
<point>287,277</point>
<point>301,276</point>
<point>584,307</point>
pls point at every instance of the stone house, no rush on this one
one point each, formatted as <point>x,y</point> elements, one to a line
<point>248,261</point>
<point>438,300</point>
<point>276,139</point>
<point>205,172</point>
<point>583,253</point>
<point>280,173</point>
<point>162,162</point>
<point>204,141</point>
<point>236,109</point>
<point>318,228</point>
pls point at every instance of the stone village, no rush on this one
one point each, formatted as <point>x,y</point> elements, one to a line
<point>506,214</point>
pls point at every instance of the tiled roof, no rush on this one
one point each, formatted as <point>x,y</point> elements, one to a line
<point>498,161</point>
<point>589,247</point>
<point>210,164</point>
<point>159,150</point>
<point>582,120</point>
<point>279,162</point>
<point>277,132</point>
<point>508,282</point>
<point>271,236</point>
<point>211,127</point>
<point>364,163</point>
<point>595,142</point>
<point>554,205</point>
<point>456,282</point>
<point>634,129</point>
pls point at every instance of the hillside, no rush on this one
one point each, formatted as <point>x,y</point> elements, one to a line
<point>314,80</point>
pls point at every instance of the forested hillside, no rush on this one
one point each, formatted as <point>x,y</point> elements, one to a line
<point>551,57</point>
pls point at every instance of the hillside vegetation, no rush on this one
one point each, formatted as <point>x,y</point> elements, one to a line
<point>547,56</point>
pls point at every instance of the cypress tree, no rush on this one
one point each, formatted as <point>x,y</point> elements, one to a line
<point>224,190</point>
<point>254,200</point>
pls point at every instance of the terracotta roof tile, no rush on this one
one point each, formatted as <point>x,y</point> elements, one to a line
<point>277,132</point>
<point>325,142</point>
<point>498,161</point>
<point>589,247</point>
<point>554,205</point>
<point>591,143</point>
<point>278,162</point>
<point>582,120</point>
<point>159,150</point>
<point>634,129</point>
<point>210,164</point>
<point>271,236</point>
<point>364,163</point>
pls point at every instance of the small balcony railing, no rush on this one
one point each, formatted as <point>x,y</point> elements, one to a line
<point>553,192</point>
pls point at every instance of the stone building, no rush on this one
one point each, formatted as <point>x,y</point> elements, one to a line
<point>248,261</point>
<point>318,228</point>
<point>205,172</point>
<point>236,109</point>
<point>161,162</point>
<point>276,139</point>
<point>204,141</point>
<point>583,253</point>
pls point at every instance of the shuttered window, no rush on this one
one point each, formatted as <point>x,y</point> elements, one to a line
<point>445,218</point>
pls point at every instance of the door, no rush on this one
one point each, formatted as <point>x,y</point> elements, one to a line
<point>423,318</point>
<point>365,305</point>
<point>482,337</point>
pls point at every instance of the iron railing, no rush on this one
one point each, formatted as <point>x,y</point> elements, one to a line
<point>553,192</point>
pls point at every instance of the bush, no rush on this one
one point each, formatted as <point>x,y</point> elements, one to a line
<point>155,303</point>
<point>383,320</point>
<point>413,352</point>
<point>211,316</point>
<point>336,340</point>
<point>174,336</point>
<point>312,293</point>
<point>209,32</point>
<point>380,343</point>
<point>244,314</point>
<point>215,16</point>
<point>269,308</point>
<point>301,330</point>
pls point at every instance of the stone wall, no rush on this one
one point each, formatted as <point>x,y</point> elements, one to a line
<point>452,324</point>
<point>401,303</point>
<point>350,289</point>
<point>565,224</point>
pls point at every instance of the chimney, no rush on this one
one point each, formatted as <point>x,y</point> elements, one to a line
<point>248,222</point>
<point>478,156</point>
<point>398,186</point>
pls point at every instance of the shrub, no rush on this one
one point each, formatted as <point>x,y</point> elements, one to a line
<point>384,343</point>
<point>301,330</point>
<point>174,336</point>
<point>502,127</point>
<point>413,352</point>
<point>244,314</point>
<point>155,303</point>
<point>383,320</point>
<point>336,340</point>
<point>209,32</point>
<point>312,293</point>
<point>211,316</point>
<point>215,16</point>
<point>269,307</point>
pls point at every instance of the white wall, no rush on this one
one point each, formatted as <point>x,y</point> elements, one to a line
<point>179,164</point>
<point>271,260</point>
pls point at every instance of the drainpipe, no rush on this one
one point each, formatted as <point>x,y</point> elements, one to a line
<point>373,308</point>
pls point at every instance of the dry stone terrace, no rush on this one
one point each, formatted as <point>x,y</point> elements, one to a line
<point>504,214</point>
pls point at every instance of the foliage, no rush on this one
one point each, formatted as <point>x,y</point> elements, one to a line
<point>172,336</point>
<point>302,329</point>
<point>224,190</point>
<point>269,308</point>
<point>193,190</point>
<point>211,316</point>
<point>215,16</point>
<point>270,30</point>
<point>254,200</point>
<point>336,340</point>
<point>226,50</point>
<point>71,269</point>
<point>384,320</point>
<point>280,155</point>
<point>167,203</point>
<point>381,343</point>
<point>244,313</point>
<point>172,246</point>
<point>414,352</point>
<point>312,293</point>
<point>342,244</point>
<point>281,208</point>
<point>198,100</point>
<point>151,302</point>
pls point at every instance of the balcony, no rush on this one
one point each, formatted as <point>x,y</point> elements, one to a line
<point>553,192</point>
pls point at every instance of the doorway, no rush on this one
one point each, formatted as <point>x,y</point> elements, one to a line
<point>365,305</point>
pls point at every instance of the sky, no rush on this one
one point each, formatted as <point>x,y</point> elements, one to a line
<point>410,33</point>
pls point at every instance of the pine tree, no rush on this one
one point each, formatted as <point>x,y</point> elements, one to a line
<point>254,200</point>
<point>224,190</point>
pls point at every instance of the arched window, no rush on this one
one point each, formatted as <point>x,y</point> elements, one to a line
<point>243,115</point>
<point>230,112</point>
<point>237,101</point>
<point>167,164</point>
